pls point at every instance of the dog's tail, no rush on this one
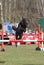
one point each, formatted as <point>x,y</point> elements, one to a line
<point>14,28</point>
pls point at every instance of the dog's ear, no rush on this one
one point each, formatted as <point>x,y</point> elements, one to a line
<point>22,17</point>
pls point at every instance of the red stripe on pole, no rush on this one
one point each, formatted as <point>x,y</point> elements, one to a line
<point>15,40</point>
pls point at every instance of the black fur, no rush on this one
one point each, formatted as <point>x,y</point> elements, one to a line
<point>20,29</point>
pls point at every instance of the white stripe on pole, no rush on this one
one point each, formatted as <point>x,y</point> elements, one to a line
<point>30,40</point>
<point>4,40</point>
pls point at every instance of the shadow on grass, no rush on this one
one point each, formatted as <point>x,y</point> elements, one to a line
<point>33,64</point>
<point>2,61</point>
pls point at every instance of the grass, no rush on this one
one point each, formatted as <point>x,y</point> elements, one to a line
<point>22,55</point>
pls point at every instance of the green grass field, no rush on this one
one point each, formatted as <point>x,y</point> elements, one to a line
<point>22,55</point>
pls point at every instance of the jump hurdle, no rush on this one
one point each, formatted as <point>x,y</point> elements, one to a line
<point>36,40</point>
<point>25,41</point>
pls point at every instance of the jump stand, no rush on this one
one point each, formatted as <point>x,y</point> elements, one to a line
<point>40,44</point>
<point>2,45</point>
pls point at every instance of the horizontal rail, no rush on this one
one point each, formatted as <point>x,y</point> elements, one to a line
<point>18,40</point>
<point>27,40</point>
<point>22,40</point>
